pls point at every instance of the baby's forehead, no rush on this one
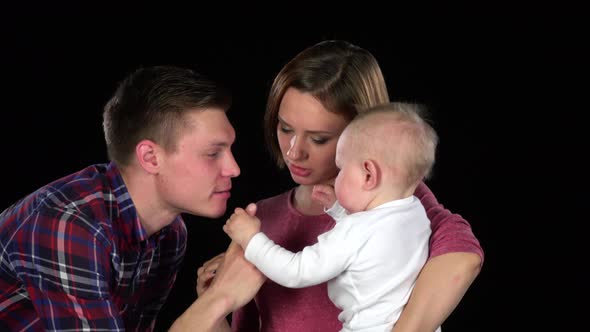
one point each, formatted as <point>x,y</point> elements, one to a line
<point>352,141</point>
<point>377,119</point>
<point>374,133</point>
<point>375,127</point>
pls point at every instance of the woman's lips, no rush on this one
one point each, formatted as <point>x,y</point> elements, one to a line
<point>299,171</point>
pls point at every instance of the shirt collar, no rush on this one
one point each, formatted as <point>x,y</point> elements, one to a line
<point>125,214</point>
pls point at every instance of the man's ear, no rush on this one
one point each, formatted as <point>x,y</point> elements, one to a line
<point>372,174</point>
<point>147,153</point>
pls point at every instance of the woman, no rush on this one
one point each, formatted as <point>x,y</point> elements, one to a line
<point>311,100</point>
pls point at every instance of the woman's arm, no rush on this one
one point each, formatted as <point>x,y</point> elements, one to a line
<point>442,283</point>
<point>455,261</point>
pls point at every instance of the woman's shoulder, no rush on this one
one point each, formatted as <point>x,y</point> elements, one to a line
<point>274,212</point>
<point>274,203</point>
<point>280,200</point>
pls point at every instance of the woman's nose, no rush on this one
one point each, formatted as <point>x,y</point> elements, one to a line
<point>296,149</point>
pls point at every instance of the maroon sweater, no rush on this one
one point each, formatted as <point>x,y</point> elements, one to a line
<point>277,308</point>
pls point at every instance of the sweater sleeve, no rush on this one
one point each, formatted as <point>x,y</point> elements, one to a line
<point>246,318</point>
<point>450,232</point>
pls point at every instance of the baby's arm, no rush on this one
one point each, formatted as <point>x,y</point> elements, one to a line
<point>326,195</point>
<point>310,266</point>
<point>242,225</point>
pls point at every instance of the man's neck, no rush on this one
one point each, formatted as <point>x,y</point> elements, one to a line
<point>152,212</point>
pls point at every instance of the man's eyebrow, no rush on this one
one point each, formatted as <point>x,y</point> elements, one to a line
<point>308,131</point>
<point>218,144</point>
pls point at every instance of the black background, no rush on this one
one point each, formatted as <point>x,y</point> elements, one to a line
<point>504,86</point>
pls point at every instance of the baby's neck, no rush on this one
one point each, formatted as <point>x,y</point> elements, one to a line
<point>393,194</point>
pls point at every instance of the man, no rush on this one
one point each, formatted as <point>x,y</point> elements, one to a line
<point>99,249</point>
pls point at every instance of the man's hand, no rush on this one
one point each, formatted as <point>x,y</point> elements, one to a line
<point>242,225</point>
<point>235,284</point>
<point>237,278</point>
<point>206,273</point>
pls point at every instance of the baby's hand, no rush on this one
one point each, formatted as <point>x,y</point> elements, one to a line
<point>242,225</point>
<point>324,194</point>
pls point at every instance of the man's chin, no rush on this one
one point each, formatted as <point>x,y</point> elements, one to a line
<point>217,213</point>
<point>212,213</point>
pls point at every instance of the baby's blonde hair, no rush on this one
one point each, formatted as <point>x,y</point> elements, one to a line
<point>397,135</point>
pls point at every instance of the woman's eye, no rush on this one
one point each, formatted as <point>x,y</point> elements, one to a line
<point>285,130</point>
<point>319,140</point>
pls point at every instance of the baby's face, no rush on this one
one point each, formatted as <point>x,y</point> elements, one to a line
<point>349,182</point>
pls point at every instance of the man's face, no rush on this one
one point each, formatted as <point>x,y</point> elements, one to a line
<point>196,177</point>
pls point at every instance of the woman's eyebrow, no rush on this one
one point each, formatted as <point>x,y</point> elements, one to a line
<point>325,132</point>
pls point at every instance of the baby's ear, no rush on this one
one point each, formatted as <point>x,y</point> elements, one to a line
<point>372,174</point>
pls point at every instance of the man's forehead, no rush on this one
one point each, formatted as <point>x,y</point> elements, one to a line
<point>202,116</point>
<point>210,130</point>
<point>219,143</point>
<point>216,135</point>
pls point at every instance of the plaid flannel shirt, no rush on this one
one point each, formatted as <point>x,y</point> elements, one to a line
<point>74,257</point>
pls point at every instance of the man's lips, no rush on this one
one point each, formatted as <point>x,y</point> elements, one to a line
<point>225,193</point>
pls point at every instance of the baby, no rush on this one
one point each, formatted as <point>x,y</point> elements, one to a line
<point>374,253</point>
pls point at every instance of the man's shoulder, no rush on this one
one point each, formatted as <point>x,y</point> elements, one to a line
<point>85,194</point>
<point>78,191</point>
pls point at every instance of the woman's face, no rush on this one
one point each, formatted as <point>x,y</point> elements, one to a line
<point>307,135</point>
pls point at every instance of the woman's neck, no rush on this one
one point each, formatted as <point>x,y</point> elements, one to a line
<point>303,202</point>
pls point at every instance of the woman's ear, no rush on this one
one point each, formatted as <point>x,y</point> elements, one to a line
<point>146,152</point>
<point>372,174</point>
